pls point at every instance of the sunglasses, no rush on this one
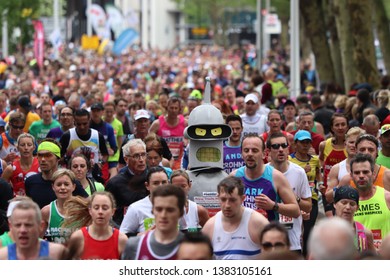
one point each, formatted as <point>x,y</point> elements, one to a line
<point>16,126</point>
<point>277,146</point>
<point>269,245</point>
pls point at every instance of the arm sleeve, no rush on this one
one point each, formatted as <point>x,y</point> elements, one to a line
<point>49,134</point>
<point>102,145</point>
<point>166,151</point>
<point>121,158</point>
<point>6,194</point>
<point>111,138</point>
<point>130,222</point>
<point>64,141</point>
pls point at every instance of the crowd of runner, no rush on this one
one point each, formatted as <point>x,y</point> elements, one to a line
<point>95,159</point>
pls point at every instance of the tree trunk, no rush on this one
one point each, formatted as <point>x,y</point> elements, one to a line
<point>304,41</point>
<point>362,35</point>
<point>383,31</point>
<point>284,36</point>
<point>334,44</point>
<point>342,18</point>
<point>315,29</point>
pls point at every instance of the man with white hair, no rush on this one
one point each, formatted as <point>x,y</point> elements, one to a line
<point>332,239</point>
<point>129,186</point>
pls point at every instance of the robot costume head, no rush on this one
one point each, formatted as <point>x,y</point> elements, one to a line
<point>206,131</point>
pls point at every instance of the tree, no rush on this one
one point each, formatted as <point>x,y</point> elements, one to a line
<point>315,29</point>
<point>343,22</point>
<point>334,42</point>
<point>20,14</point>
<point>363,50</point>
<point>213,13</point>
<point>383,31</point>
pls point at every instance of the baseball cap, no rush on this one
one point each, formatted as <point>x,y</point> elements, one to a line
<point>346,192</point>
<point>11,207</point>
<point>97,106</point>
<point>302,135</point>
<point>196,94</point>
<point>251,97</point>
<point>385,128</point>
<point>139,114</point>
<point>24,102</point>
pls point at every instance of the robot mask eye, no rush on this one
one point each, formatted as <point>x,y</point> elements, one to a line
<point>216,131</point>
<point>200,132</point>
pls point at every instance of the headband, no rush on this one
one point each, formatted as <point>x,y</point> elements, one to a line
<point>346,192</point>
<point>51,147</point>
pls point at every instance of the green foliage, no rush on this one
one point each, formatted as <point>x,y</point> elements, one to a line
<point>20,14</point>
<point>200,12</point>
<point>386,3</point>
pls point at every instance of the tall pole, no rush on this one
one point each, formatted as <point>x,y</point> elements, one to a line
<point>258,35</point>
<point>4,41</point>
<point>295,74</point>
<point>266,36</point>
<point>56,18</point>
<point>89,23</point>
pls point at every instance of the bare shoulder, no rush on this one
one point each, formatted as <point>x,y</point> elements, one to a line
<point>155,126</point>
<point>57,251</point>
<point>203,215</point>
<point>202,210</point>
<point>209,227</point>
<point>77,235</point>
<point>76,244</point>
<point>345,180</point>
<point>122,238</point>
<point>7,173</point>
<point>335,168</point>
<point>45,211</point>
<point>258,219</point>
<point>276,174</point>
<point>257,222</point>
<point>4,253</point>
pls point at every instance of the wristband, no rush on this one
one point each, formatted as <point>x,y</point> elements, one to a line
<point>276,207</point>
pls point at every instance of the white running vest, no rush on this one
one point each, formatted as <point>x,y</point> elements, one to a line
<point>89,146</point>
<point>236,245</point>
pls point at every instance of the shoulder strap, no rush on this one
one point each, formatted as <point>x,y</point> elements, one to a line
<point>1,141</point>
<point>359,227</point>
<point>91,182</point>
